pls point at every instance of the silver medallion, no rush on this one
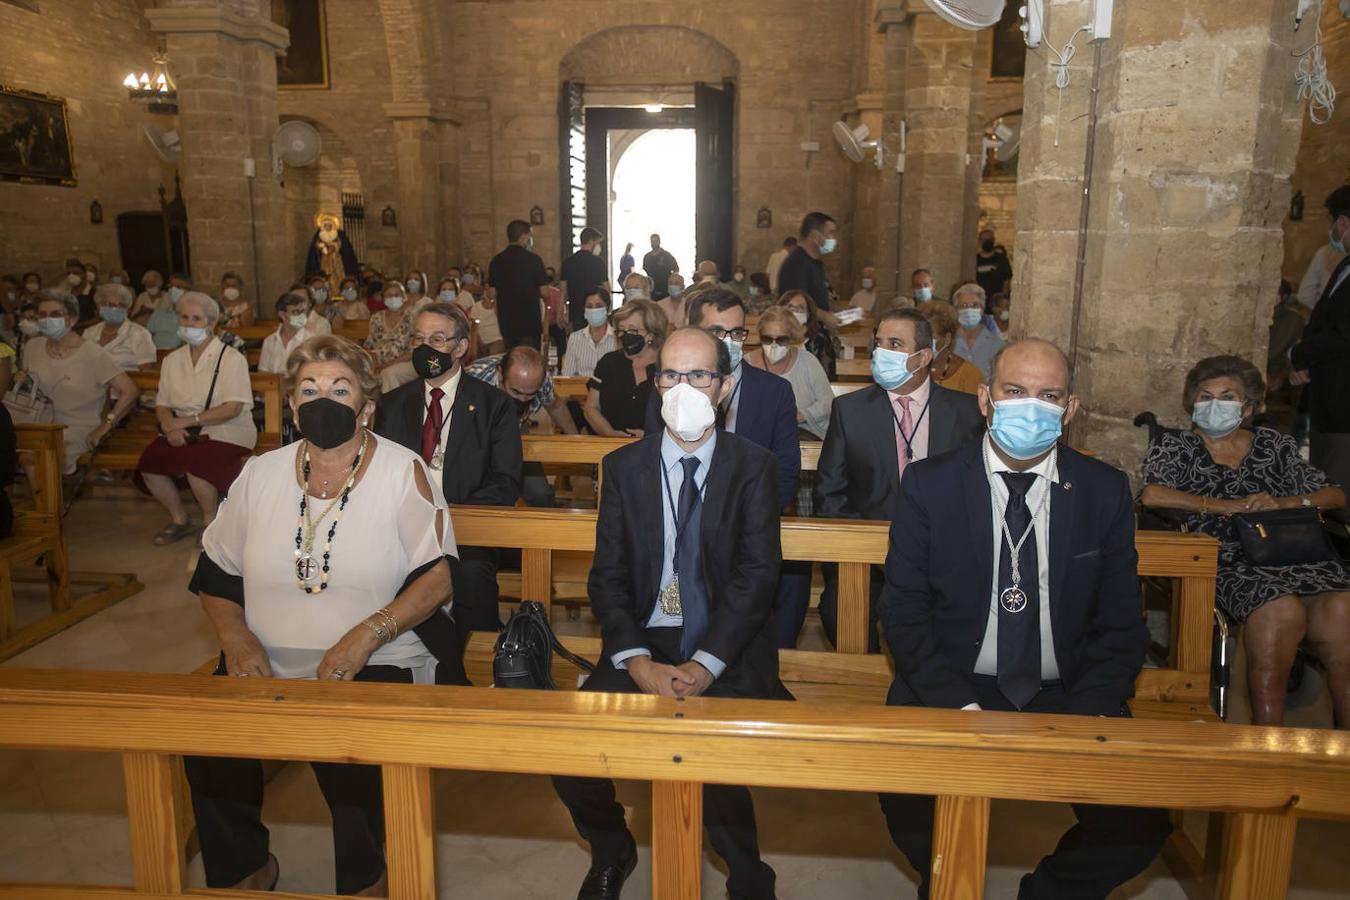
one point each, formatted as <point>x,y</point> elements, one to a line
<point>1014,599</point>
<point>306,568</point>
<point>670,598</point>
<point>437,460</point>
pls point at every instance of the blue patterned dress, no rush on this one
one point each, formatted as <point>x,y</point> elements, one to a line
<point>1180,461</point>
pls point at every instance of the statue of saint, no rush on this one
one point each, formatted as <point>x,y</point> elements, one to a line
<point>330,253</point>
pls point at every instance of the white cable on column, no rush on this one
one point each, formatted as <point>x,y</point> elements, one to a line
<point>1311,78</point>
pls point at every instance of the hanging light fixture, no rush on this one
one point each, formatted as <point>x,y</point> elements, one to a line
<point>156,89</point>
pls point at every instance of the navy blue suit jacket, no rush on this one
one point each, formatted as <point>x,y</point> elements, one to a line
<point>766,414</point>
<point>935,604</point>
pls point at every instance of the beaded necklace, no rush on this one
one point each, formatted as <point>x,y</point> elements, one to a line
<point>306,568</point>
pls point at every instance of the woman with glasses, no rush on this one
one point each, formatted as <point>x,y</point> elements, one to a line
<point>619,389</point>
<point>781,352</point>
<point>820,342</point>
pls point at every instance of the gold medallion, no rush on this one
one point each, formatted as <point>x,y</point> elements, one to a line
<point>670,598</point>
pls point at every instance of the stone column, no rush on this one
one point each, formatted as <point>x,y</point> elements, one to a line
<point>1198,127</point>
<point>977,115</point>
<point>421,138</point>
<point>939,59</point>
<point>892,280</point>
<point>223,56</point>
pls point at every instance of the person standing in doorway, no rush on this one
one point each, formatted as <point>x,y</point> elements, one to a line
<point>658,264</point>
<point>626,262</point>
<point>517,285</point>
<point>993,272</point>
<point>582,272</point>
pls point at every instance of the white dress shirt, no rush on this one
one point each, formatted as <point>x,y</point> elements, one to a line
<point>450,389</point>
<point>1314,281</point>
<point>1047,471</point>
<point>184,386</point>
<point>583,352</point>
<point>274,354</point>
<point>671,455</point>
<point>132,348</point>
<point>734,401</point>
<point>918,400</point>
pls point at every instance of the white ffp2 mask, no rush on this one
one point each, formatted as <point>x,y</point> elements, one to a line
<point>687,412</point>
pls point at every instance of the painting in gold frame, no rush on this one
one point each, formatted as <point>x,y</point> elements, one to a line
<point>35,145</point>
<point>304,65</point>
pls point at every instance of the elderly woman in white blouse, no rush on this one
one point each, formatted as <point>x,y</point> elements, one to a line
<point>77,375</point>
<point>129,344</point>
<point>327,562</point>
<point>206,427</point>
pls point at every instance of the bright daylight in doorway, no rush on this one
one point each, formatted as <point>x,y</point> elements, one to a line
<point>653,191</point>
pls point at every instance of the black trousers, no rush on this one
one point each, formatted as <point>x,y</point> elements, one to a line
<point>829,604</point>
<point>227,797</point>
<point>728,811</point>
<point>1109,845</point>
<point>474,579</point>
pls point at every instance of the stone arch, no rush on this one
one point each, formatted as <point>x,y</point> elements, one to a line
<point>648,54</point>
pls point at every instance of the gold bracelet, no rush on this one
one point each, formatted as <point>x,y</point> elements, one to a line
<point>1204,506</point>
<point>381,632</point>
<point>388,619</point>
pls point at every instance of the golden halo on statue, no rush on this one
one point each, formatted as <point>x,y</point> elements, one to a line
<point>327,218</point>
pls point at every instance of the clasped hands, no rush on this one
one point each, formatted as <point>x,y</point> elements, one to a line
<point>686,680</point>
<point>1262,502</point>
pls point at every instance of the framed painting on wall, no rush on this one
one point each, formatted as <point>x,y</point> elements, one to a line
<point>35,138</point>
<point>305,62</point>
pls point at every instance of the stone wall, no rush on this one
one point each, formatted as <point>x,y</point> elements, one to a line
<point>1324,153</point>
<point>65,50</point>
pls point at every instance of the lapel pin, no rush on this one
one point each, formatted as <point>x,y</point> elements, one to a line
<point>471,407</point>
<point>1068,485</point>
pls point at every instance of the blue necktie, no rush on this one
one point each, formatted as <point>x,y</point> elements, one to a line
<point>1019,633</point>
<point>688,561</point>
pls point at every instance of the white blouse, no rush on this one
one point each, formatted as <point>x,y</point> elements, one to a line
<point>387,532</point>
<point>132,348</point>
<point>183,388</point>
<point>77,386</point>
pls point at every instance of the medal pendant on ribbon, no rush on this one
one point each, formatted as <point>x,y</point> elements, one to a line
<point>670,598</point>
<point>437,460</point>
<point>306,568</point>
<point>1014,599</point>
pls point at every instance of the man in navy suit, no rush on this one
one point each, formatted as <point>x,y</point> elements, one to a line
<point>686,563</point>
<point>1011,585</point>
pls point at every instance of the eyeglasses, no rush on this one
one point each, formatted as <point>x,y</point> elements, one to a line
<point>437,340</point>
<point>780,341</point>
<point>736,334</point>
<point>622,331</point>
<point>699,378</point>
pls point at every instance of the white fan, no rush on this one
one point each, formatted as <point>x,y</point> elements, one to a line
<point>295,143</point>
<point>854,142</point>
<point>167,144</point>
<point>969,14</point>
<point>1007,139</point>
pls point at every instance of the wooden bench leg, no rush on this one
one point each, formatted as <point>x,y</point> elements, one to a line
<point>677,840</point>
<point>536,576</point>
<point>58,575</point>
<point>1258,853</point>
<point>156,854</point>
<point>410,833</point>
<point>6,601</point>
<point>960,843</point>
<point>854,598</point>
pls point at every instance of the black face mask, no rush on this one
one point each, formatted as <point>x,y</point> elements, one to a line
<point>632,343</point>
<point>987,246</point>
<point>326,423</point>
<point>522,408</point>
<point>431,363</point>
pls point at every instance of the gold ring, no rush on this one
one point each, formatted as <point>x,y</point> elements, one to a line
<point>337,674</point>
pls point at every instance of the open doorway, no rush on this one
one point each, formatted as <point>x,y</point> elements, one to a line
<point>653,191</point>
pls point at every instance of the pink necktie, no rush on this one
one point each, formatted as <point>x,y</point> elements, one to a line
<point>907,430</point>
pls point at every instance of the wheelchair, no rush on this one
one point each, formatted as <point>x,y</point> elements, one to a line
<point>1305,677</point>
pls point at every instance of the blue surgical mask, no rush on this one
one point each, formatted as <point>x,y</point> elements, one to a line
<point>414,286</point>
<point>470,278</point>
<point>174,293</point>
<point>529,243</point>
<point>923,294</point>
<point>298,321</point>
<point>596,317</point>
<point>1027,427</point>
<point>675,290</point>
<point>890,368</point>
<point>54,329</point>
<point>1337,244</point>
<point>829,246</point>
<point>734,349</point>
<point>632,293</point>
<point>194,336</point>
<point>1218,418</point>
<point>320,295</point>
<point>113,315</point>
<point>969,316</point>
<point>446,296</point>
<point>349,294</point>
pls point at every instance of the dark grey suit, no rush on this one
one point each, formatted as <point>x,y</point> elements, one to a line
<point>858,476</point>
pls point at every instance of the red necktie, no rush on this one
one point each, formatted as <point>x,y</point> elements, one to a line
<point>431,426</point>
<point>904,435</point>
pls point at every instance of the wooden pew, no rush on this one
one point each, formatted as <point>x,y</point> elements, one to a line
<point>573,387</point>
<point>356,331</point>
<point>1268,777</point>
<point>1179,691</point>
<point>123,448</point>
<point>38,532</point>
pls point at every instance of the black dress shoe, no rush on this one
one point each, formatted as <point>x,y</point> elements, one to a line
<point>606,882</point>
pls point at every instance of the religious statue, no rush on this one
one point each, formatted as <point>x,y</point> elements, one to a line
<point>330,253</point>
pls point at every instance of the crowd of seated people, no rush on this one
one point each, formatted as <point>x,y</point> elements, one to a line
<point>957,442</point>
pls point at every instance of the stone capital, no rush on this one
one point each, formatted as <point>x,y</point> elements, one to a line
<point>891,13</point>
<point>864,103</point>
<point>420,109</point>
<point>191,20</point>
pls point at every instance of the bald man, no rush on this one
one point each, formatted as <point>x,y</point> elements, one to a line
<point>707,271</point>
<point>1011,585</point>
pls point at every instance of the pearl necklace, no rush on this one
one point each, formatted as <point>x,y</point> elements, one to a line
<point>305,564</point>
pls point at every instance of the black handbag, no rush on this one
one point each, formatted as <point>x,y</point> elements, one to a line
<point>194,432</point>
<point>1283,537</point>
<point>523,655</point>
